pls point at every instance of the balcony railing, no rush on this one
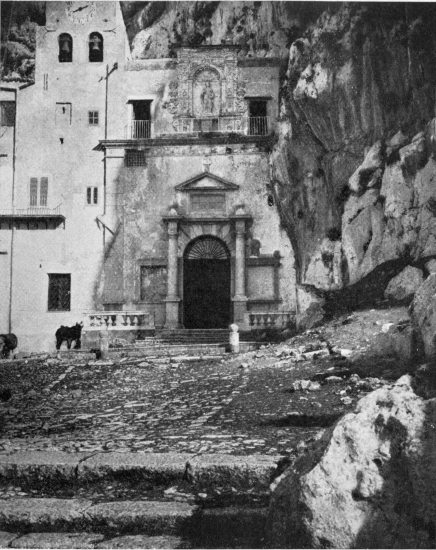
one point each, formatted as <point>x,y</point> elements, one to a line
<point>139,129</point>
<point>249,126</point>
<point>117,320</point>
<point>32,212</point>
<point>275,319</point>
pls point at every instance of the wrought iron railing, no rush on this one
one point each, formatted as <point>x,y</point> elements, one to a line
<point>251,126</point>
<point>32,211</point>
<point>139,129</point>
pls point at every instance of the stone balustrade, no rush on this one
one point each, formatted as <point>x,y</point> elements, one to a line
<point>272,319</point>
<point>117,320</point>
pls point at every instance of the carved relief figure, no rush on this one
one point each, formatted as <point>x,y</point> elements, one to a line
<point>208,98</point>
<point>206,94</point>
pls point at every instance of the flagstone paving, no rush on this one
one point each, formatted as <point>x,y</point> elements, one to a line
<point>238,404</point>
<point>213,406</point>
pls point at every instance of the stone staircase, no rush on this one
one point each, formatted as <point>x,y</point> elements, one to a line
<point>134,500</point>
<point>195,336</point>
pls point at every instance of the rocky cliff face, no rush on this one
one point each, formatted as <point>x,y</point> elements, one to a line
<point>352,165</point>
<point>361,77</point>
<point>17,32</point>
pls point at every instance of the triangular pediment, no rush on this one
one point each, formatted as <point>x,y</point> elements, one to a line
<point>206,182</point>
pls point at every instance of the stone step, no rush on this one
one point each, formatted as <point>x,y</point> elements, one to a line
<point>176,355</point>
<point>132,516</point>
<point>87,540</point>
<point>161,346</point>
<point>38,469</point>
<point>236,527</point>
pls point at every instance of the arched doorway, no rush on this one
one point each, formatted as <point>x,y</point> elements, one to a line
<point>206,284</point>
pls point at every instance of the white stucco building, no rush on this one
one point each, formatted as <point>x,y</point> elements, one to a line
<point>132,185</point>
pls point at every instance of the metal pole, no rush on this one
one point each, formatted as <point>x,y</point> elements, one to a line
<point>11,263</point>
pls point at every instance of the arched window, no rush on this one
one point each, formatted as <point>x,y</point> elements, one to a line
<point>95,47</point>
<point>65,48</point>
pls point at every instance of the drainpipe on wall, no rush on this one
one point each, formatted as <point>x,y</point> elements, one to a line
<point>11,263</point>
<point>108,73</point>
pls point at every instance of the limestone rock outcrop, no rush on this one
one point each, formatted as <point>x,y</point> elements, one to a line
<point>423,314</point>
<point>353,160</point>
<point>370,483</point>
<point>402,288</point>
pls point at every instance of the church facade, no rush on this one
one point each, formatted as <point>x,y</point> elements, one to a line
<point>139,190</point>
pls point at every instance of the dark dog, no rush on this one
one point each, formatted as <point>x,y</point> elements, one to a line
<point>69,334</point>
<point>8,342</point>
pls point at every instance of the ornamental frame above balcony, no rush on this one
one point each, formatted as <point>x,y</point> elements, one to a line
<point>193,66</point>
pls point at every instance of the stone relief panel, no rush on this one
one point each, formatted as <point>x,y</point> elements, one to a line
<point>208,84</point>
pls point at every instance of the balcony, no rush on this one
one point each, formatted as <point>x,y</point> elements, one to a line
<point>248,126</point>
<point>138,129</point>
<point>32,214</point>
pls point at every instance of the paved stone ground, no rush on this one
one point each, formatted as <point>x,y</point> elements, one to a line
<point>235,405</point>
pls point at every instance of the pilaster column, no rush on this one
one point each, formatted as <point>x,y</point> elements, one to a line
<point>240,260</point>
<point>239,299</point>
<point>172,300</point>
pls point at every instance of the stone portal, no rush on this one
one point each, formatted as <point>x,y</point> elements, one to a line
<point>206,284</point>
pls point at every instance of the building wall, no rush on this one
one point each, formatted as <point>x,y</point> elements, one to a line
<point>60,148</point>
<point>55,140</point>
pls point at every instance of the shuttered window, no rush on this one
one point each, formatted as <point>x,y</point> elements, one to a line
<point>92,195</point>
<point>43,193</point>
<point>59,291</point>
<point>7,113</point>
<point>33,191</point>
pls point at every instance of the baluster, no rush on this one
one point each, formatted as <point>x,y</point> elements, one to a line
<point>134,320</point>
<point>110,321</point>
<point>128,320</point>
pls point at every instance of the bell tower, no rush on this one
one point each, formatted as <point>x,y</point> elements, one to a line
<point>79,37</point>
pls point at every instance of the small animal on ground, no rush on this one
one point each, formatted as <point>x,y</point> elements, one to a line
<point>8,342</point>
<point>69,334</point>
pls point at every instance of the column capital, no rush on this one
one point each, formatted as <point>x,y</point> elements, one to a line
<point>173,228</point>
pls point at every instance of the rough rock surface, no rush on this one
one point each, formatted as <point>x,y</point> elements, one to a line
<point>423,314</point>
<point>402,288</point>
<point>371,484</point>
<point>352,163</point>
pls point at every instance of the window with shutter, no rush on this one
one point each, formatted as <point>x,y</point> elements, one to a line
<point>33,191</point>
<point>59,291</point>
<point>92,195</point>
<point>43,192</point>
<point>7,113</point>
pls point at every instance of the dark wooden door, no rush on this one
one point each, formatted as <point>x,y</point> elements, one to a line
<point>206,293</point>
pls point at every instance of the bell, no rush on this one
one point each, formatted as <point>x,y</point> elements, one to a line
<point>95,43</point>
<point>65,46</point>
